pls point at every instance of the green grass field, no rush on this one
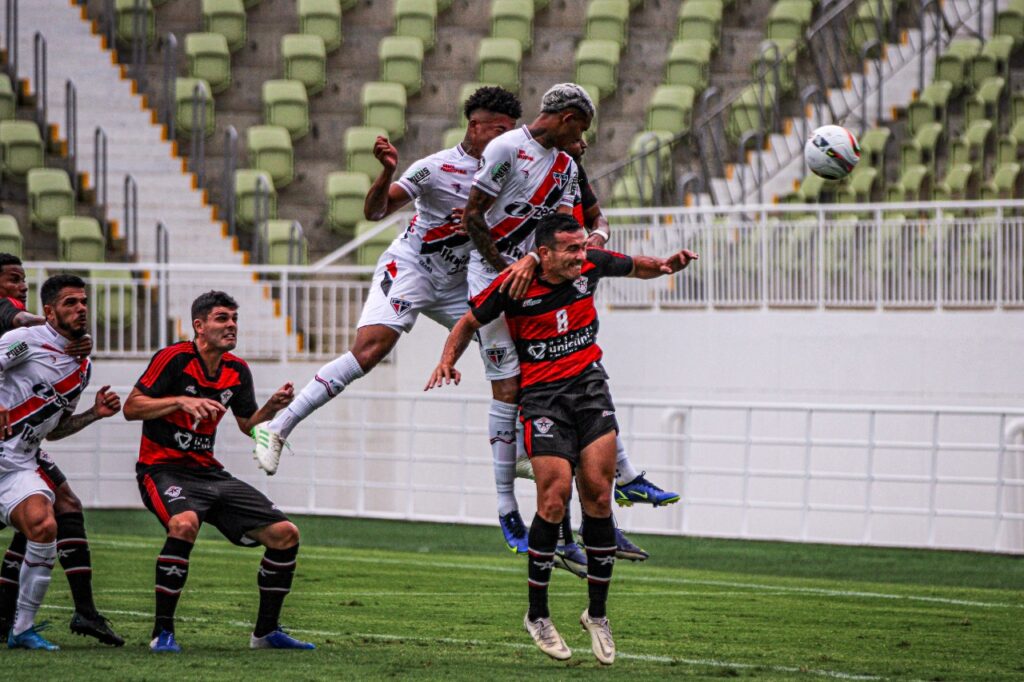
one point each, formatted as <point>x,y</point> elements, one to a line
<point>389,599</point>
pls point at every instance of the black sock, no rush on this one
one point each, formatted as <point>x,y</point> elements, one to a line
<point>10,577</point>
<point>599,537</point>
<point>543,540</point>
<point>275,581</point>
<point>75,558</point>
<point>171,573</point>
<point>565,530</point>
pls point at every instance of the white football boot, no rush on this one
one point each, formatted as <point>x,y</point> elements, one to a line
<point>269,443</point>
<point>601,642</point>
<point>547,638</point>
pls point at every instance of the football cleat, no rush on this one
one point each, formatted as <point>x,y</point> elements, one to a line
<point>546,637</point>
<point>642,491</point>
<point>164,643</point>
<point>269,443</point>
<point>31,639</point>
<point>516,536</point>
<point>601,642</point>
<point>625,549</point>
<point>98,627</point>
<point>571,558</point>
<point>278,639</point>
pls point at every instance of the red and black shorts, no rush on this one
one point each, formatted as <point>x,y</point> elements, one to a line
<point>49,471</point>
<point>232,506</point>
<point>561,419</point>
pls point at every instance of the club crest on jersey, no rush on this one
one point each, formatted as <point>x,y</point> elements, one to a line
<point>581,284</point>
<point>543,424</point>
<point>173,491</point>
<point>183,439</point>
<point>560,179</point>
<point>226,396</point>
<point>496,355</point>
<point>190,389</point>
<point>400,305</point>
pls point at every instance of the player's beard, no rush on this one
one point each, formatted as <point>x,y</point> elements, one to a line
<point>74,333</point>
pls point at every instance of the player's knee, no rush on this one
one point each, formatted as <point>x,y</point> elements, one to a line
<point>551,508</point>
<point>600,504</point>
<point>184,527</point>
<point>43,529</point>
<point>67,502</point>
<point>283,535</point>
<point>506,390</point>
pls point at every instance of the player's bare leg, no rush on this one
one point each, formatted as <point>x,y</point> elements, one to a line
<point>277,569</point>
<point>34,518</point>
<point>373,343</point>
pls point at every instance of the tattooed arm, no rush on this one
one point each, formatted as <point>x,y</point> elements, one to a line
<point>107,405</point>
<point>478,204</point>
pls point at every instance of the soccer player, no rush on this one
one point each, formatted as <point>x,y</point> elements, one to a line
<point>40,385</point>
<point>181,398</point>
<point>565,407</point>
<point>72,544</point>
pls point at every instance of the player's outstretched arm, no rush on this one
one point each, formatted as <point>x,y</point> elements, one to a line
<point>281,399</point>
<point>520,274</point>
<point>27,319</point>
<point>384,197</point>
<point>476,206</point>
<point>107,404</point>
<point>141,406</point>
<point>454,347</point>
<point>648,267</point>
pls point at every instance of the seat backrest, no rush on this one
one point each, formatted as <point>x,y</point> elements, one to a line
<point>228,18</point>
<point>286,104</point>
<point>80,239</point>
<point>416,18</point>
<point>359,141</point>
<point>322,18</point>
<point>305,59</point>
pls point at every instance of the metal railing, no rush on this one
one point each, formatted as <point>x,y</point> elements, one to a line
<point>11,39</point>
<point>163,257</point>
<point>71,127</point>
<point>170,47</point>
<point>100,170</point>
<point>39,78</point>
<point>197,154</point>
<point>227,192</point>
<point>140,38</point>
<point>131,215</point>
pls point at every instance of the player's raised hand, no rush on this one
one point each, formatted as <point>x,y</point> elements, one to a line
<point>385,153</point>
<point>520,274</point>
<point>79,348</point>
<point>5,422</point>
<point>200,408</point>
<point>596,240</point>
<point>282,397</point>
<point>678,261</point>
<point>443,374</point>
<point>107,403</point>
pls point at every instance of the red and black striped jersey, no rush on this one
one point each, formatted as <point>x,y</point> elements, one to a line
<point>177,438</point>
<point>555,325</point>
<point>9,309</point>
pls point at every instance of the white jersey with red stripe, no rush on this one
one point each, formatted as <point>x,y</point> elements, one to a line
<point>438,184</point>
<point>39,384</point>
<point>528,181</point>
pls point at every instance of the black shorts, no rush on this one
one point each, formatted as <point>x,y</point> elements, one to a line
<point>562,418</point>
<point>51,473</point>
<point>232,506</point>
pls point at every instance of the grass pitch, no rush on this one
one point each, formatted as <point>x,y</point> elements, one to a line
<point>389,599</point>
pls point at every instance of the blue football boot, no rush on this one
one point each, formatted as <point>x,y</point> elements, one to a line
<point>31,639</point>
<point>642,491</point>
<point>278,639</point>
<point>516,535</point>
<point>164,643</point>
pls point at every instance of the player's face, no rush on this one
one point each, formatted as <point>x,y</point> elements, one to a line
<point>485,125</point>
<point>565,260</point>
<point>577,149</point>
<point>220,329</point>
<point>572,124</point>
<point>12,283</point>
<point>69,314</point>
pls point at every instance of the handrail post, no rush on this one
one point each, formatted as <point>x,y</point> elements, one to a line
<point>110,26</point>
<point>99,165</point>
<point>741,148</point>
<point>707,122</point>
<point>198,156</point>
<point>71,125</point>
<point>140,25</point>
<point>260,216</point>
<point>131,214</point>
<point>864,50</point>
<point>11,34</point>
<point>40,77</point>
<point>162,259</point>
<point>685,181</point>
<point>228,181</point>
<point>170,73</point>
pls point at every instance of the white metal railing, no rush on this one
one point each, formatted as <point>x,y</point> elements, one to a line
<point>860,474</point>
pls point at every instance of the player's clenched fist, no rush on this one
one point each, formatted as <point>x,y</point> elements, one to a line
<point>385,153</point>
<point>282,397</point>
<point>107,403</point>
<point>200,408</point>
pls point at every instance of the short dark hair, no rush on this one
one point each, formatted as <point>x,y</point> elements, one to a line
<point>8,259</point>
<point>494,99</point>
<point>202,306</point>
<point>52,287</point>
<point>552,224</point>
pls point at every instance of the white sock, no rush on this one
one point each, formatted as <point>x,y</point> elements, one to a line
<point>624,471</point>
<point>35,578</point>
<point>330,380</point>
<point>501,424</point>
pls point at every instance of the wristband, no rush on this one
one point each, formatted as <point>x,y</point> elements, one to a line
<point>604,235</point>
<point>534,256</point>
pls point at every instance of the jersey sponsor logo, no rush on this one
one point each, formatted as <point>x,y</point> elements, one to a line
<point>607,413</point>
<point>46,392</point>
<point>449,168</point>
<point>16,349</point>
<point>190,389</point>
<point>496,355</point>
<point>532,301</point>
<point>581,283</point>
<point>500,171</point>
<point>226,396</point>
<point>520,154</point>
<point>537,350</point>
<point>192,441</point>
<point>420,175</point>
<point>173,491</point>
<point>400,305</point>
<point>183,439</point>
<point>562,346</point>
<point>543,424</point>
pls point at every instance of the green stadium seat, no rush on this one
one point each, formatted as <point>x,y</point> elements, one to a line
<point>226,17</point>
<point>689,63</point>
<point>80,240</point>
<point>284,246</point>
<point>369,253</point>
<point>416,18</point>
<point>249,4</point>
<point>923,147</point>
<point>321,18</point>
<point>984,104</point>
<point>915,184</point>
<point>788,19</point>
<point>124,11</point>
<point>513,19</point>
<point>873,145</point>
<point>1010,22</point>
<point>209,59</point>
<point>384,107</point>
<point>701,19</point>
<point>608,20</point>
<point>346,5</point>
<point>865,25</point>
<point>632,191</point>
<point>591,133</point>
<point>443,5</point>
<point>960,183</point>
<point>401,61</point>
<point>994,60</point>
<point>538,5</point>
<point>50,196</point>
<point>654,156</point>
<point>597,63</point>
<point>246,183</point>
<point>453,137</point>
<point>863,185</point>
<point>811,189</point>
<point>270,150</point>
<point>498,62</point>
<point>930,106</point>
<point>952,64</point>
<point>305,60</point>
<point>747,111</point>
<point>112,298</point>
<point>359,156</point>
<point>1010,144</point>
<point>286,104</point>
<point>1017,106</point>
<point>1006,183</point>
<point>8,100</point>
<point>671,109</point>
<point>10,236</point>
<point>21,148</point>
<point>185,98</point>
<point>977,146</point>
<point>346,191</point>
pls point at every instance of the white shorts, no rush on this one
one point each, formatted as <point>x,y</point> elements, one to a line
<point>16,487</point>
<point>402,289</point>
<point>496,346</point>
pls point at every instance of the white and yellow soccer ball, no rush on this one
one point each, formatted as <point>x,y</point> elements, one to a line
<point>832,152</point>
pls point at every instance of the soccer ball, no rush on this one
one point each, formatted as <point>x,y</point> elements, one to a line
<point>832,152</point>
